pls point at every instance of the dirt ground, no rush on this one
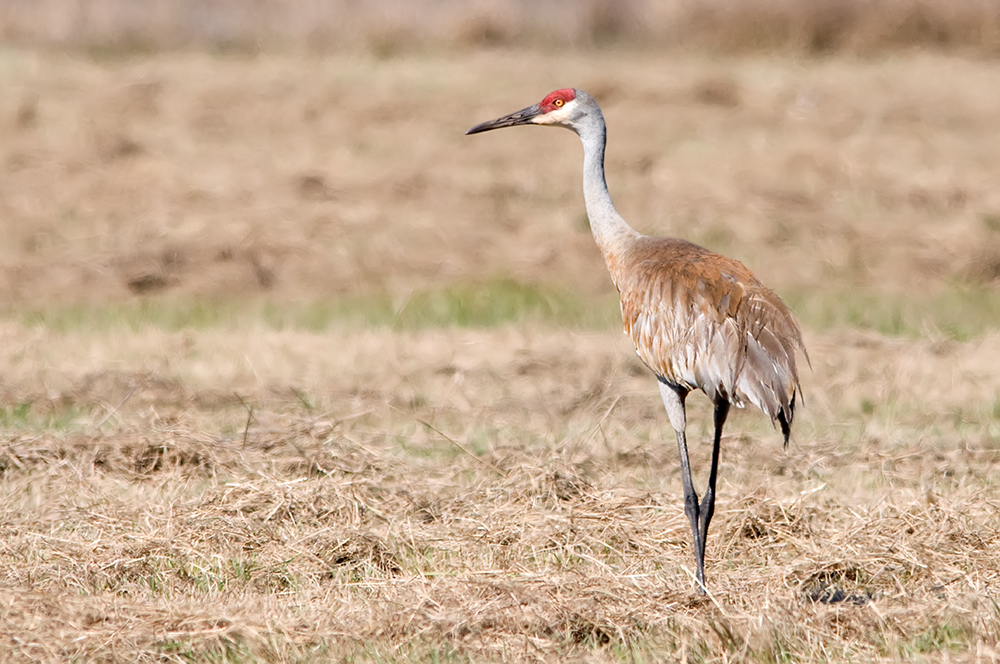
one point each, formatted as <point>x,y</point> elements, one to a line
<point>255,489</point>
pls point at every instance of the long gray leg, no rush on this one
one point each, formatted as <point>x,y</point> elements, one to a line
<point>707,508</point>
<point>673,399</point>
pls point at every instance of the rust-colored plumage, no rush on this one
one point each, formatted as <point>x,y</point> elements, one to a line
<point>699,321</point>
<point>703,321</point>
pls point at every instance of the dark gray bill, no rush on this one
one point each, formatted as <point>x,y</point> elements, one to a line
<point>524,116</point>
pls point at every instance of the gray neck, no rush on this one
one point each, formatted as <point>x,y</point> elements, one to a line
<point>611,232</point>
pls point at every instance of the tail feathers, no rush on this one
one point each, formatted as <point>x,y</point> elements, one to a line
<point>784,417</point>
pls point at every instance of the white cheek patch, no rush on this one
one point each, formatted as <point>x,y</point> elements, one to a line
<point>558,116</point>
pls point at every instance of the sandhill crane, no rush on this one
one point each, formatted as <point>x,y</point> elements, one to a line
<point>698,320</point>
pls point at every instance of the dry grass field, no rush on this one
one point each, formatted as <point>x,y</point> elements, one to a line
<point>293,371</point>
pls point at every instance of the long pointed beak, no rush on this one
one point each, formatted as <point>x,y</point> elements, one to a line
<point>524,116</point>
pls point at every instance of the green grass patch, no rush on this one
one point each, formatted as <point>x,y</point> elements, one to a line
<point>487,304</point>
<point>29,416</point>
<point>955,311</point>
<point>419,650</point>
<point>221,650</point>
<point>937,638</point>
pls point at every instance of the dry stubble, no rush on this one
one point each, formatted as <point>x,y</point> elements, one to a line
<point>481,494</point>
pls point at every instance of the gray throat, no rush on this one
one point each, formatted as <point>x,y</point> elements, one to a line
<point>611,232</point>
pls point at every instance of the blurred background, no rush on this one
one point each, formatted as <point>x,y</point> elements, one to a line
<point>387,26</point>
<point>302,162</point>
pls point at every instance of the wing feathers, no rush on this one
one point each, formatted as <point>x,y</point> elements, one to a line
<point>703,321</point>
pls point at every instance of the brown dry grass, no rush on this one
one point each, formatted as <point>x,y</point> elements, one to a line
<point>302,178</point>
<point>255,489</point>
<point>506,494</point>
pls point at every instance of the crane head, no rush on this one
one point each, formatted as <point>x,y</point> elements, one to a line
<point>556,109</point>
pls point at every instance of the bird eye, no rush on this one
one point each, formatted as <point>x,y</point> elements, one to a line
<point>558,103</point>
